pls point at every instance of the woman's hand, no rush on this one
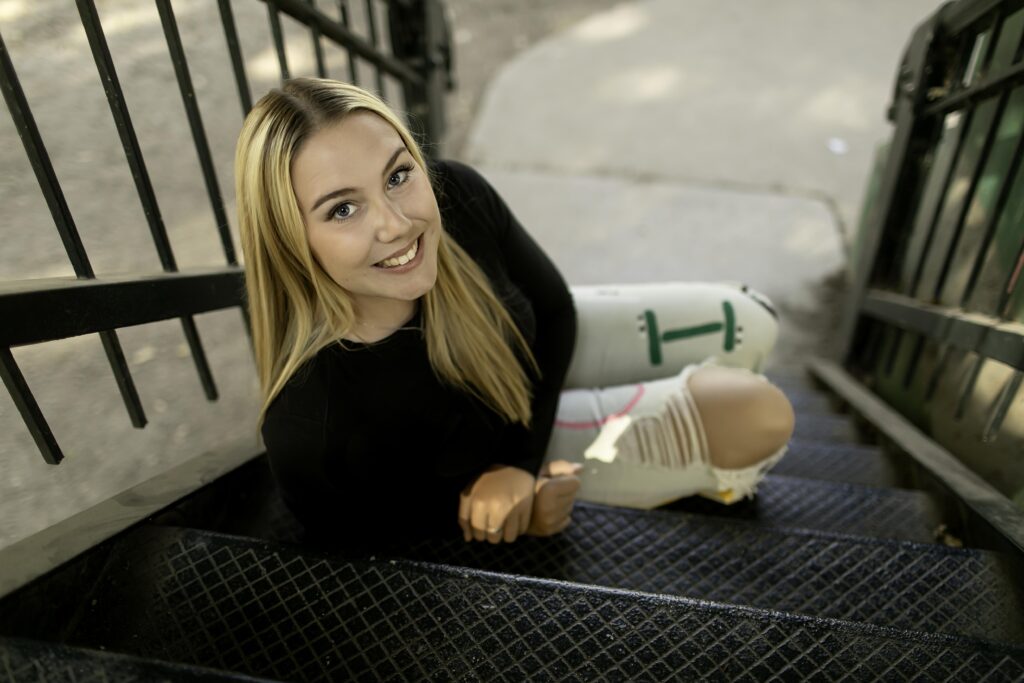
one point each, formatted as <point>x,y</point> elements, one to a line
<point>553,497</point>
<point>497,505</point>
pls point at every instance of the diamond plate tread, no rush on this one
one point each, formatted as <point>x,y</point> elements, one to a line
<point>806,400</point>
<point>849,463</point>
<point>28,661</point>
<point>781,501</point>
<point>902,585</point>
<point>887,583</point>
<point>784,501</point>
<point>797,381</point>
<point>246,606</point>
<point>820,427</point>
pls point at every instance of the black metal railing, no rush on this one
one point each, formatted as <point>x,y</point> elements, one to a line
<point>37,311</point>
<point>938,292</point>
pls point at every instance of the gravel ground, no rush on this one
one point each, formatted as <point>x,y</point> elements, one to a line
<point>71,379</point>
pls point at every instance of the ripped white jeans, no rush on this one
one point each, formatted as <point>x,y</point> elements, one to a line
<point>639,436</point>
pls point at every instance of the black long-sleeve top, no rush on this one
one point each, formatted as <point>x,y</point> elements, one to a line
<point>364,440</point>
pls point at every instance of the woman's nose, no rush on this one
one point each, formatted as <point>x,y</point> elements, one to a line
<point>393,223</point>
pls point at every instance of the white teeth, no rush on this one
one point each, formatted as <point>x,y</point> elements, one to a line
<point>403,259</point>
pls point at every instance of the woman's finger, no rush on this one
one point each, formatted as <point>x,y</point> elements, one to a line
<point>497,518</point>
<point>496,530</point>
<point>560,487</point>
<point>479,521</point>
<point>511,530</point>
<point>464,517</point>
<point>515,524</point>
<point>556,468</point>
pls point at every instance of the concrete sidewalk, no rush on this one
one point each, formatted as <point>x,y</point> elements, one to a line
<point>702,140</point>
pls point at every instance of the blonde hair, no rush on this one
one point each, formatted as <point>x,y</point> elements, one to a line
<point>296,309</point>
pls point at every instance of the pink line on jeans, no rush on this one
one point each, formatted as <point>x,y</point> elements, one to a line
<point>564,424</point>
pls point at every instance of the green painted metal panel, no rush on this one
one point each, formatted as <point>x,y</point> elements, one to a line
<point>1001,256</point>
<point>975,64</point>
<point>935,184</point>
<point>891,386</point>
<point>1006,44</point>
<point>958,193</point>
<point>983,204</point>
<point>1015,307</point>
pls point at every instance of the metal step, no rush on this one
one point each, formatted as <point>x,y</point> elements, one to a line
<point>785,501</point>
<point>829,428</point>
<point>806,400</point>
<point>819,573</point>
<point>248,504</point>
<point>840,462</point>
<point>247,606</point>
<point>28,661</point>
<point>887,583</point>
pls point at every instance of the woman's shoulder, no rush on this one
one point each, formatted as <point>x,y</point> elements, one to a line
<point>304,395</point>
<point>459,186</point>
<point>471,207</point>
<point>455,174</point>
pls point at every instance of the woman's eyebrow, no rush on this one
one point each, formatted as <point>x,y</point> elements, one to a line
<point>346,190</point>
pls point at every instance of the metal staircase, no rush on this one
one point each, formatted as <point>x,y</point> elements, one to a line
<point>818,577</point>
<point>868,554</point>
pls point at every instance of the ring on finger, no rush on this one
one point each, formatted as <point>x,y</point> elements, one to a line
<point>495,530</point>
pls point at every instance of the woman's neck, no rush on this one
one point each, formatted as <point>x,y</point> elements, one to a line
<point>383,322</point>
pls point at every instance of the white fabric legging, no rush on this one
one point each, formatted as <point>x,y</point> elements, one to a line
<point>627,414</point>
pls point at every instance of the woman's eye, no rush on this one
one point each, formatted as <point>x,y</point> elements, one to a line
<point>399,176</point>
<point>342,211</point>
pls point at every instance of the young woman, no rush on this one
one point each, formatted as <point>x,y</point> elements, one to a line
<point>412,343</point>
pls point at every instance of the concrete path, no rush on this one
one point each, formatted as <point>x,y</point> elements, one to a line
<point>701,140</point>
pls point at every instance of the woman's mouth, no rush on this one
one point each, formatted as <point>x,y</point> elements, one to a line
<point>403,262</point>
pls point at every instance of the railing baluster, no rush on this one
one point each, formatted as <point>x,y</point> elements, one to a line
<point>25,123</point>
<point>195,122</point>
<point>318,51</point>
<point>372,23</point>
<point>278,34</point>
<point>968,388</point>
<point>133,153</point>
<point>952,204</point>
<point>353,75</point>
<point>227,18</point>
<point>1011,285</point>
<point>29,409</point>
<point>992,220</point>
<point>949,239</point>
<point>1001,406</point>
<point>188,326</point>
<point>938,371</point>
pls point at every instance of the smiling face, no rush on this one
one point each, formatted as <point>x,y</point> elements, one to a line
<point>371,217</point>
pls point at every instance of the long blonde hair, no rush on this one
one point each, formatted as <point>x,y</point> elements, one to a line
<point>296,309</point>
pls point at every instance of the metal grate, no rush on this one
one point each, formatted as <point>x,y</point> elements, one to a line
<point>887,583</point>
<point>852,464</point>
<point>829,428</point>
<point>781,501</point>
<point>902,585</point>
<point>243,606</point>
<point>25,661</point>
<point>784,501</point>
<point>35,311</point>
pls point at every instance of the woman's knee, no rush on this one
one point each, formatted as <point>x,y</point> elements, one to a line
<point>745,419</point>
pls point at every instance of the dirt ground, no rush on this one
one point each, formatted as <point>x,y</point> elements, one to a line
<point>71,379</point>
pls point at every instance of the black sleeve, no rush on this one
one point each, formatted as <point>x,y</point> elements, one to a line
<point>294,435</point>
<point>530,269</point>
